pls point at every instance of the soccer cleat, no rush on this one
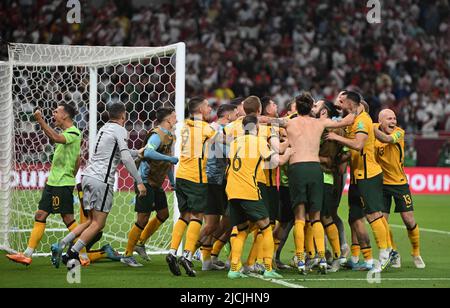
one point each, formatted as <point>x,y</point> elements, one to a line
<point>396,260</point>
<point>236,275</point>
<point>312,263</point>
<point>272,274</point>
<point>418,262</point>
<point>187,265</point>
<point>57,250</point>
<point>227,264</point>
<point>207,265</point>
<point>20,258</point>
<point>140,249</point>
<point>301,267</point>
<point>197,255</point>
<point>323,266</point>
<point>259,268</point>
<point>111,253</point>
<point>385,262</point>
<point>281,265</point>
<point>130,261</point>
<point>84,260</point>
<point>364,266</point>
<point>173,264</point>
<point>335,266</point>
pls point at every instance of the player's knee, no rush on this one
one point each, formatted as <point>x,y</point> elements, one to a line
<point>40,216</point>
<point>68,219</point>
<point>408,219</point>
<point>163,215</point>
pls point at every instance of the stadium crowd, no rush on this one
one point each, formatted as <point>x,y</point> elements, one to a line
<point>277,48</point>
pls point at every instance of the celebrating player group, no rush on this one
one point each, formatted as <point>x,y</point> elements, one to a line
<point>248,173</point>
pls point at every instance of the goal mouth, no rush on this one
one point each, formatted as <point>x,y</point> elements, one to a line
<point>143,78</point>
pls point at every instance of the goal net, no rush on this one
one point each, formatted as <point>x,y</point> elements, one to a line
<point>143,78</point>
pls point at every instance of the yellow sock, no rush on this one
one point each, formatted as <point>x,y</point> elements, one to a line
<point>206,252</point>
<point>388,231</point>
<point>36,234</point>
<point>151,227</point>
<point>267,247</point>
<point>260,248</point>
<point>333,237</point>
<point>96,255</point>
<point>72,226</point>
<point>309,241</point>
<point>319,237</point>
<point>133,238</point>
<point>192,235</point>
<point>253,254</point>
<point>177,233</point>
<point>356,250</point>
<point>234,233</point>
<point>217,247</point>
<point>299,238</point>
<point>236,249</point>
<point>414,238</point>
<point>380,233</point>
<point>367,253</point>
<point>83,218</point>
<point>394,246</point>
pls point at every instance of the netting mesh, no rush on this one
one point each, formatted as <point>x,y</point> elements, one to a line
<point>43,75</point>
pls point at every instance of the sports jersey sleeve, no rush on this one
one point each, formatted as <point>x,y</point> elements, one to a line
<point>71,135</point>
<point>264,149</point>
<point>126,155</point>
<point>398,135</point>
<point>362,127</point>
<point>208,131</point>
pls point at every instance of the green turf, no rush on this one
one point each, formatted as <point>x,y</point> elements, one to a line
<point>432,213</point>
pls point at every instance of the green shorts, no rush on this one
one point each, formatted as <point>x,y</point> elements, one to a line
<point>286,213</point>
<point>365,197</point>
<point>273,197</point>
<point>155,200</point>
<point>330,200</point>
<point>306,185</point>
<point>191,197</point>
<point>217,200</point>
<point>244,210</point>
<point>402,198</point>
<point>57,199</point>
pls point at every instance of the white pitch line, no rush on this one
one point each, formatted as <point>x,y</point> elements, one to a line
<point>365,279</point>
<point>278,281</point>
<point>423,229</point>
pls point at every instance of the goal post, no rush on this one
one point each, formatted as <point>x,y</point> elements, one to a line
<point>143,78</point>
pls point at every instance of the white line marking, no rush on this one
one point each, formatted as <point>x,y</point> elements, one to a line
<point>278,281</point>
<point>423,229</point>
<point>365,279</point>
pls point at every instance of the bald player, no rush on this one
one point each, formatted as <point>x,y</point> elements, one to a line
<point>389,151</point>
<point>306,176</point>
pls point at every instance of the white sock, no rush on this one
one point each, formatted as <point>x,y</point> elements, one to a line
<point>384,254</point>
<point>28,252</point>
<point>354,259</point>
<point>173,252</point>
<point>78,246</point>
<point>68,239</point>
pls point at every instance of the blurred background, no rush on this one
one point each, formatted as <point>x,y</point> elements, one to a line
<point>278,48</point>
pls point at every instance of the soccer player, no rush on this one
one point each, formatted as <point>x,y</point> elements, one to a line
<point>217,199</point>
<point>365,195</point>
<point>191,183</point>
<point>246,154</point>
<point>98,182</point>
<point>57,197</point>
<point>306,176</point>
<point>155,166</point>
<point>330,159</point>
<point>390,149</point>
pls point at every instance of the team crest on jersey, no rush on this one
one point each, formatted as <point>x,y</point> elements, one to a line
<point>360,125</point>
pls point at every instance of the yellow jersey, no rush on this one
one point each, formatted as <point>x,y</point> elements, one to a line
<point>193,156</point>
<point>246,156</point>
<point>363,164</point>
<point>391,157</point>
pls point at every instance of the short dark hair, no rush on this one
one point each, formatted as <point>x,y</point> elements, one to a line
<point>224,108</point>
<point>252,105</point>
<point>331,108</point>
<point>70,109</point>
<point>265,101</point>
<point>354,96</point>
<point>194,103</point>
<point>163,113</point>
<point>115,110</point>
<point>237,101</point>
<point>304,103</point>
<point>249,122</point>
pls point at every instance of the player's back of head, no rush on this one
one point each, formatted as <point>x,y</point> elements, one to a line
<point>115,110</point>
<point>194,104</point>
<point>331,109</point>
<point>304,103</point>
<point>354,97</point>
<point>265,101</point>
<point>252,105</point>
<point>249,123</point>
<point>224,109</point>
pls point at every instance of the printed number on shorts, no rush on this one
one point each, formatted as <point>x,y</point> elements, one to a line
<point>408,200</point>
<point>55,202</point>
